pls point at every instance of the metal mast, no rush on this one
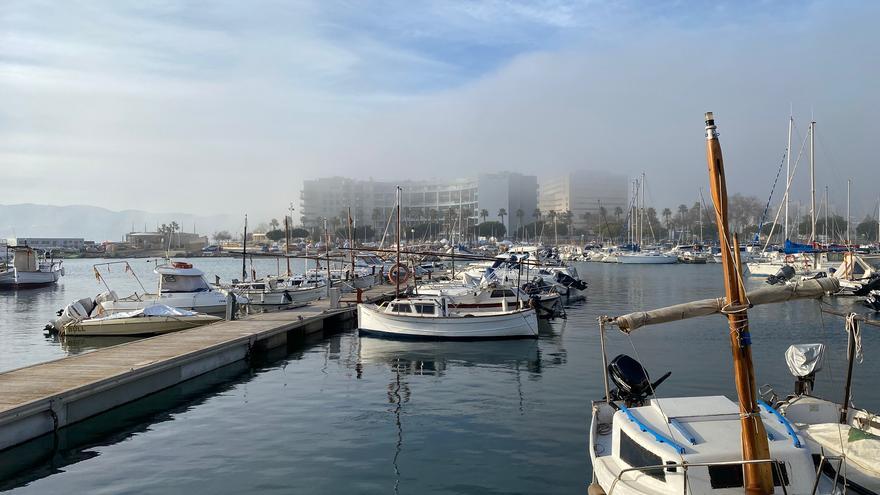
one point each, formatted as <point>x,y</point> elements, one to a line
<point>788,170</point>
<point>812,181</point>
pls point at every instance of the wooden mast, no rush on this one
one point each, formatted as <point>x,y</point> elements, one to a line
<point>758,477</point>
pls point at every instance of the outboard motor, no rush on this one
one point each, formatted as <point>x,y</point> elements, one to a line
<point>803,361</point>
<point>872,300</point>
<point>569,281</point>
<point>632,381</point>
<point>871,285</point>
<point>784,274</point>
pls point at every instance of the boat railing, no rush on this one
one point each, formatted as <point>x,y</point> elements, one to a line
<point>686,465</point>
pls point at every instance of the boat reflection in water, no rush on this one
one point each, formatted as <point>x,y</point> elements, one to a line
<point>415,357</point>
<point>409,358</point>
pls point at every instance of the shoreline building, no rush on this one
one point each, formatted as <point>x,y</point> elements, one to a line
<point>456,202</point>
<point>583,193</point>
<point>69,244</point>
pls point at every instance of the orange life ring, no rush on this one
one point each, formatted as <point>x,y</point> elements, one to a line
<point>395,271</point>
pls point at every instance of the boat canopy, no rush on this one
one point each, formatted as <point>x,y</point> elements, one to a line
<point>805,289</point>
<point>795,248</point>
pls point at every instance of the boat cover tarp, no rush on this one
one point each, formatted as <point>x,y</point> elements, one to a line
<point>803,359</point>
<point>812,288</point>
<point>152,310</point>
<point>861,448</point>
<point>794,248</point>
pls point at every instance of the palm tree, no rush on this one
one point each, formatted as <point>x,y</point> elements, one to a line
<point>502,213</point>
<point>484,214</point>
<point>667,213</point>
<point>274,223</point>
<point>682,211</point>
<point>519,216</point>
<point>567,217</point>
<point>617,212</point>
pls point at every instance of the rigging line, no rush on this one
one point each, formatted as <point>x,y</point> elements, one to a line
<point>654,394</point>
<point>769,198</point>
<point>787,190</point>
<point>831,374</point>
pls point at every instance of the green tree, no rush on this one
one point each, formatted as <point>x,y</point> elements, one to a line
<point>502,213</point>
<point>519,218</point>
<point>275,235</point>
<point>273,224</point>
<point>221,236</point>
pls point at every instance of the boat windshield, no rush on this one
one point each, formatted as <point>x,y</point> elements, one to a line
<point>183,283</point>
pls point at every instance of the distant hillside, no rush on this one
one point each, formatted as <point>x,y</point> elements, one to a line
<point>99,224</point>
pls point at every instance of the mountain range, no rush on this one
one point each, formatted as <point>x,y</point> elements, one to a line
<point>100,224</point>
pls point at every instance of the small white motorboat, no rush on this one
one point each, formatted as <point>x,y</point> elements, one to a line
<point>180,286</point>
<point>150,320</point>
<point>432,318</point>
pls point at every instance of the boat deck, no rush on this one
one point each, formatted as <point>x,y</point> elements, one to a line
<point>41,398</point>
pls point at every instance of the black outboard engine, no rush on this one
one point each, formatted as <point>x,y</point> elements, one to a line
<point>869,286</point>
<point>569,281</point>
<point>632,381</point>
<point>784,274</point>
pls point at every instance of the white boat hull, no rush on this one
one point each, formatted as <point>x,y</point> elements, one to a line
<point>23,279</point>
<point>211,302</point>
<point>482,325</point>
<point>143,325</point>
<point>289,297</point>
<point>647,259</point>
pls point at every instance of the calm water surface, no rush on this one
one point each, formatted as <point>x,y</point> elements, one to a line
<point>364,415</point>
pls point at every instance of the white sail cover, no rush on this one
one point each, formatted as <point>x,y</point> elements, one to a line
<point>803,359</point>
<point>813,288</point>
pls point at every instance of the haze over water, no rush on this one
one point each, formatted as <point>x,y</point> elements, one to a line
<point>364,415</point>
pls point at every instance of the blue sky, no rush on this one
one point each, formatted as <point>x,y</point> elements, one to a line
<point>115,94</point>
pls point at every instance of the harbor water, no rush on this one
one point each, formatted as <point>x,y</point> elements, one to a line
<point>365,415</point>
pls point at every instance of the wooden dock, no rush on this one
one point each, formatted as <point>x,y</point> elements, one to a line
<point>42,398</point>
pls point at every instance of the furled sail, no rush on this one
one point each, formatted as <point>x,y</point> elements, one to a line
<point>805,289</point>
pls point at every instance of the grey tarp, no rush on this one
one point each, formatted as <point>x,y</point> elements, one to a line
<point>812,288</point>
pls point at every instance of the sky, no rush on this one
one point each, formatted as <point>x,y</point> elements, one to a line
<point>226,106</point>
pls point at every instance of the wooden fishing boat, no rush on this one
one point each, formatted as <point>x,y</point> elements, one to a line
<point>642,444</point>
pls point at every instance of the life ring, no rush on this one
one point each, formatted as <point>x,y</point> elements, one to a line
<point>789,258</point>
<point>394,273</point>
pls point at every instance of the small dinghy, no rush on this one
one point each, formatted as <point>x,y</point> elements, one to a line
<point>151,320</point>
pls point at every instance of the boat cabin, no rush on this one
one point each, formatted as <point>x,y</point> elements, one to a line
<point>427,307</point>
<point>644,449</point>
<point>181,277</point>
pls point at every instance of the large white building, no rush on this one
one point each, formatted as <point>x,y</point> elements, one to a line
<point>584,192</point>
<point>458,200</point>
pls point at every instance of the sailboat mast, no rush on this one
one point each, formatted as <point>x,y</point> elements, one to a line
<point>642,216</point>
<point>812,181</point>
<point>397,278</point>
<point>788,170</point>
<point>244,250</point>
<point>848,184</point>
<point>826,216</point>
<point>758,478</point>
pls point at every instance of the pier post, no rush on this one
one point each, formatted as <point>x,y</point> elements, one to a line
<point>230,306</point>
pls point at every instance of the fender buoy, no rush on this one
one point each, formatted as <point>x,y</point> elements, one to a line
<point>398,273</point>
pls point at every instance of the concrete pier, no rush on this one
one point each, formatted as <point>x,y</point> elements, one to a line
<point>42,398</point>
